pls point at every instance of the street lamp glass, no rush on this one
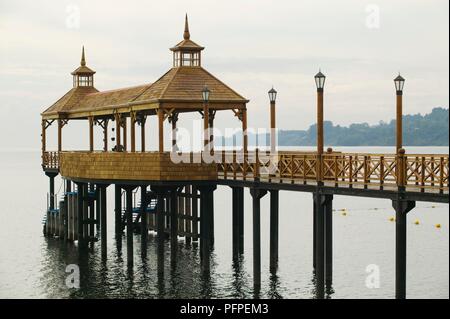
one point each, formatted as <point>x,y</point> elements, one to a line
<point>272,95</point>
<point>205,94</point>
<point>320,80</point>
<point>399,83</point>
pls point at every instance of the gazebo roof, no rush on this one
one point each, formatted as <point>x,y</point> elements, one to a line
<point>180,88</point>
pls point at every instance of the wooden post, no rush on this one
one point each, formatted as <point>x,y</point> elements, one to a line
<point>272,128</point>
<point>60,126</point>
<point>399,120</point>
<point>91,133</point>
<point>143,120</point>
<point>133,131</point>
<point>161,129</point>
<point>245,141</point>
<point>402,207</point>
<point>274,196</point>
<point>319,135</point>
<point>205,125</point>
<point>211,117</point>
<point>173,120</point>
<point>105,135</point>
<point>257,194</point>
<point>125,133</point>
<point>118,118</point>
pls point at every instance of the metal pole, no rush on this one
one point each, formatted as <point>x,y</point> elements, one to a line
<point>274,198</point>
<point>103,220</point>
<point>329,240</point>
<point>320,249</point>
<point>129,212</point>
<point>118,208</point>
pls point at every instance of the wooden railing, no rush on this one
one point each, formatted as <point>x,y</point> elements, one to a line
<point>415,172</point>
<point>50,160</point>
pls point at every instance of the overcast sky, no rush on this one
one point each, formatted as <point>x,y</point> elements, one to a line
<point>250,45</point>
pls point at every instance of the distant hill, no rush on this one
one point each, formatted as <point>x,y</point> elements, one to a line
<point>418,130</point>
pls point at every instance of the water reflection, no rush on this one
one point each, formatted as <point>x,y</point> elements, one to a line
<point>181,275</point>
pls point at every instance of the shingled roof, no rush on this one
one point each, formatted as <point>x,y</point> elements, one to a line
<point>181,84</point>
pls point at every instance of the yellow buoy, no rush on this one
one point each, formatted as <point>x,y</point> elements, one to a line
<point>433,206</point>
<point>344,214</point>
<point>392,219</point>
<point>343,210</point>
<point>417,222</point>
<point>438,225</point>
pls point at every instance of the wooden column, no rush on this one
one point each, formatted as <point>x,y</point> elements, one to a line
<point>117,118</point>
<point>272,128</point>
<point>244,131</point>
<point>142,122</point>
<point>212,115</point>
<point>161,129</point>
<point>91,133</point>
<point>205,125</point>
<point>173,120</point>
<point>105,135</point>
<point>133,131</point>
<point>319,134</point>
<point>125,135</point>
<point>60,126</point>
<point>399,121</point>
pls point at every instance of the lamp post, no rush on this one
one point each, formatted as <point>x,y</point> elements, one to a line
<point>272,97</point>
<point>320,83</point>
<point>205,95</point>
<point>399,83</point>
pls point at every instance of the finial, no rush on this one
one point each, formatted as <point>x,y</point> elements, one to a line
<point>83,60</point>
<point>186,34</point>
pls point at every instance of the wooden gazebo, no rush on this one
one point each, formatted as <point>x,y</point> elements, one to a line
<point>178,91</point>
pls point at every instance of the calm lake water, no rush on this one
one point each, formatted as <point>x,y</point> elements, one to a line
<point>32,266</point>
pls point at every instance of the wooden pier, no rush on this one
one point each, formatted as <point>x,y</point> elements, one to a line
<point>154,192</point>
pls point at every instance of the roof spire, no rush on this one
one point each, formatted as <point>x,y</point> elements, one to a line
<point>83,59</point>
<point>186,34</point>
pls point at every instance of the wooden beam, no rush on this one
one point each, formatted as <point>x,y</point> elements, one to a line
<point>142,122</point>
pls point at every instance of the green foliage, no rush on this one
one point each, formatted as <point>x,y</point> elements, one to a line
<point>418,130</point>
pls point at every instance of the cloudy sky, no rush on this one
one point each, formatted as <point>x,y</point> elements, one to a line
<point>250,45</point>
